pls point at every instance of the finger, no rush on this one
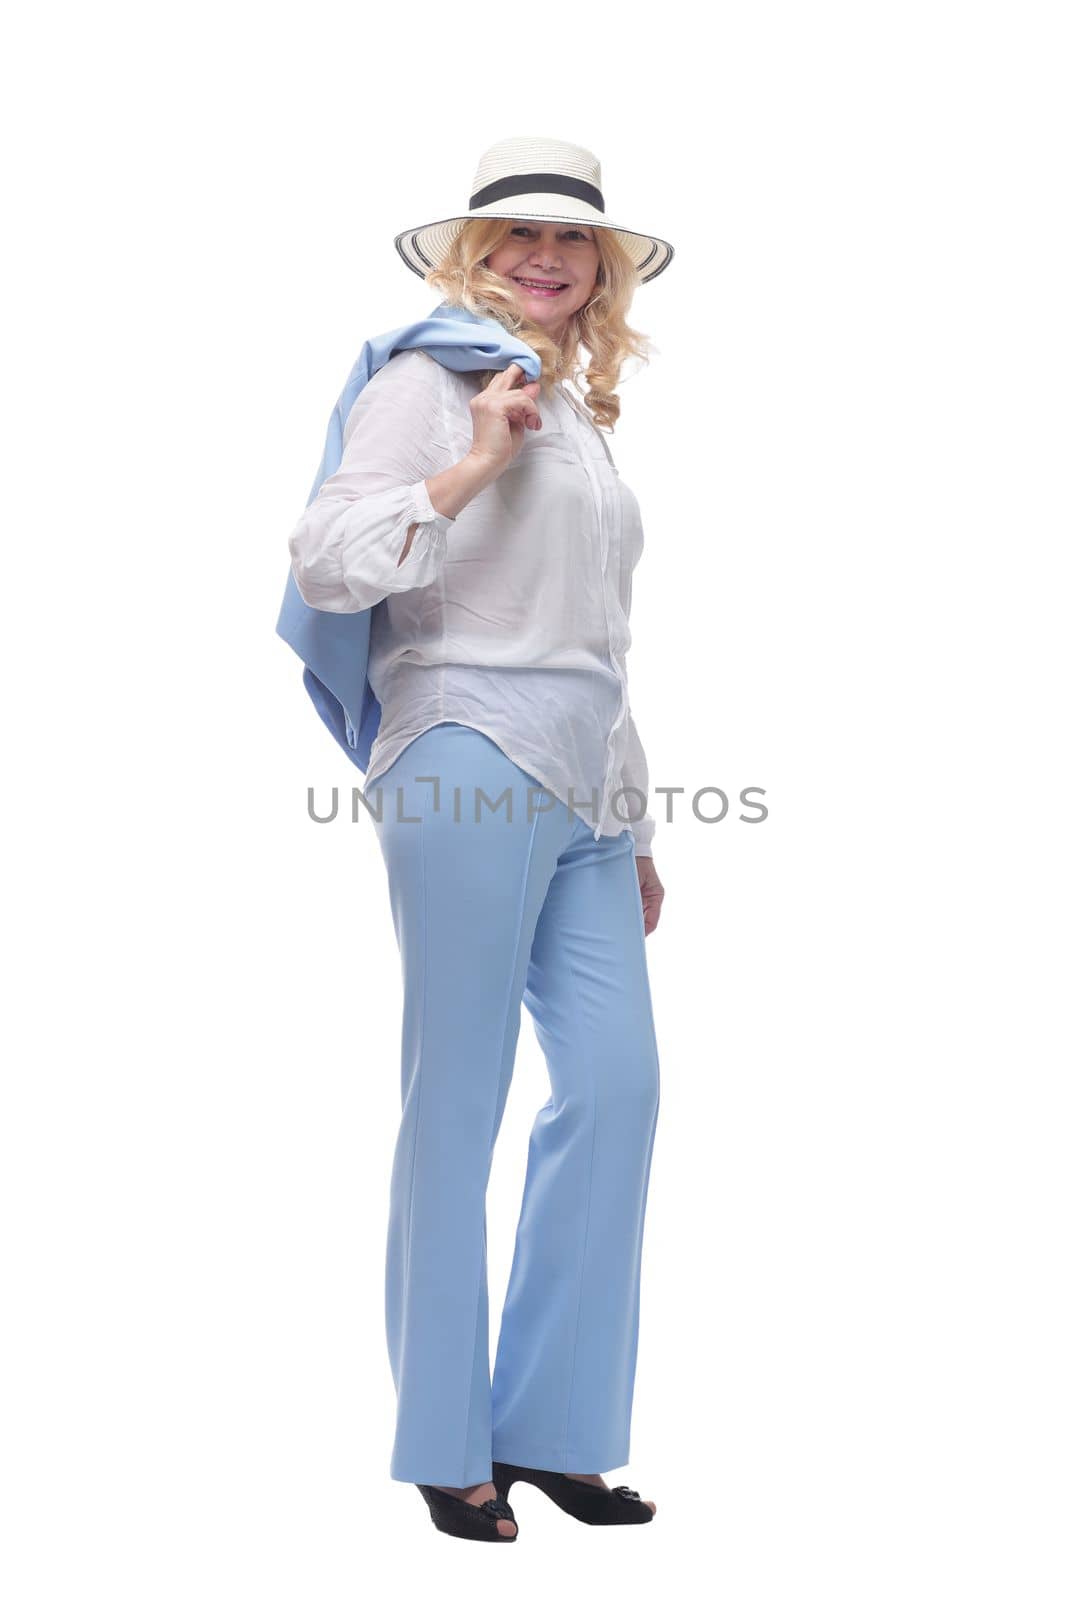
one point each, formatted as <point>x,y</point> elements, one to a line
<point>518,400</point>
<point>519,408</point>
<point>505,379</point>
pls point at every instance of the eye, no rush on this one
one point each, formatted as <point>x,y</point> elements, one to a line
<point>572,233</point>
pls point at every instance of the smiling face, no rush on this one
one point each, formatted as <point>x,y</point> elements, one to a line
<point>539,257</point>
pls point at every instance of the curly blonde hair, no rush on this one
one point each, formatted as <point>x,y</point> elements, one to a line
<point>600,327</point>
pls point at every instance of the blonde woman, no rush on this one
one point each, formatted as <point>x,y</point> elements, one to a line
<point>480,520</point>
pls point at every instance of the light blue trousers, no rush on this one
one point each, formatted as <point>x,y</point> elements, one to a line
<point>491,912</point>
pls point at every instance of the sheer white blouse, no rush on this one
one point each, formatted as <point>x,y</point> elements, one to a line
<point>512,617</point>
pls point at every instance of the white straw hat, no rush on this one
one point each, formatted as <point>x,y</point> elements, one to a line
<point>535,180</point>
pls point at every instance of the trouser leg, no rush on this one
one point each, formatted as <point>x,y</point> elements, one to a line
<point>566,1356</point>
<point>465,899</point>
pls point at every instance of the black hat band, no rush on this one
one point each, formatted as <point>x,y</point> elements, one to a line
<point>537,183</point>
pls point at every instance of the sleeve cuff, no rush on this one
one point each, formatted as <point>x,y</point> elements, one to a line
<point>425,510</point>
<point>643,831</point>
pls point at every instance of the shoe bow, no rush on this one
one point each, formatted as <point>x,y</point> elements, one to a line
<point>625,1493</point>
<point>498,1507</point>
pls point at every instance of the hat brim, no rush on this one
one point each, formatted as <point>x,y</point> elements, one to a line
<point>423,249</point>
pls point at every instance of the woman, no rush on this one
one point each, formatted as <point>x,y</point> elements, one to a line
<point>487,514</point>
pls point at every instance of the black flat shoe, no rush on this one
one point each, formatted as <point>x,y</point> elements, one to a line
<point>465,1521</point>
<point>586,1501</point>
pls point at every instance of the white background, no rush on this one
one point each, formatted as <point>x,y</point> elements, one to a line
<point>849,455</point>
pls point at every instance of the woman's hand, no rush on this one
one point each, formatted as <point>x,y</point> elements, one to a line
<point>652,892</point>
<point>501,414</point>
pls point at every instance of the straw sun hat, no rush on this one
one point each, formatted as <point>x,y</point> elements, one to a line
<point>534,180</point>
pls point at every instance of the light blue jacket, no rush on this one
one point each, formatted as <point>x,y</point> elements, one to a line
<point>334,646</point>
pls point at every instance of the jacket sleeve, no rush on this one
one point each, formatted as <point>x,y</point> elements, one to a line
<point>635,776</point>
<point>346,547</point>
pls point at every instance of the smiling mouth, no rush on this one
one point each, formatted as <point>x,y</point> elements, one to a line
<point>541,286</point>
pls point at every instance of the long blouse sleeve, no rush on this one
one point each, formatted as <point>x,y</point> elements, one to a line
<point>635,777</point>
<point>346,547</point>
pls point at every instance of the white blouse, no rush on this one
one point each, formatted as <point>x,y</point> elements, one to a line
<point>511,617</point>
